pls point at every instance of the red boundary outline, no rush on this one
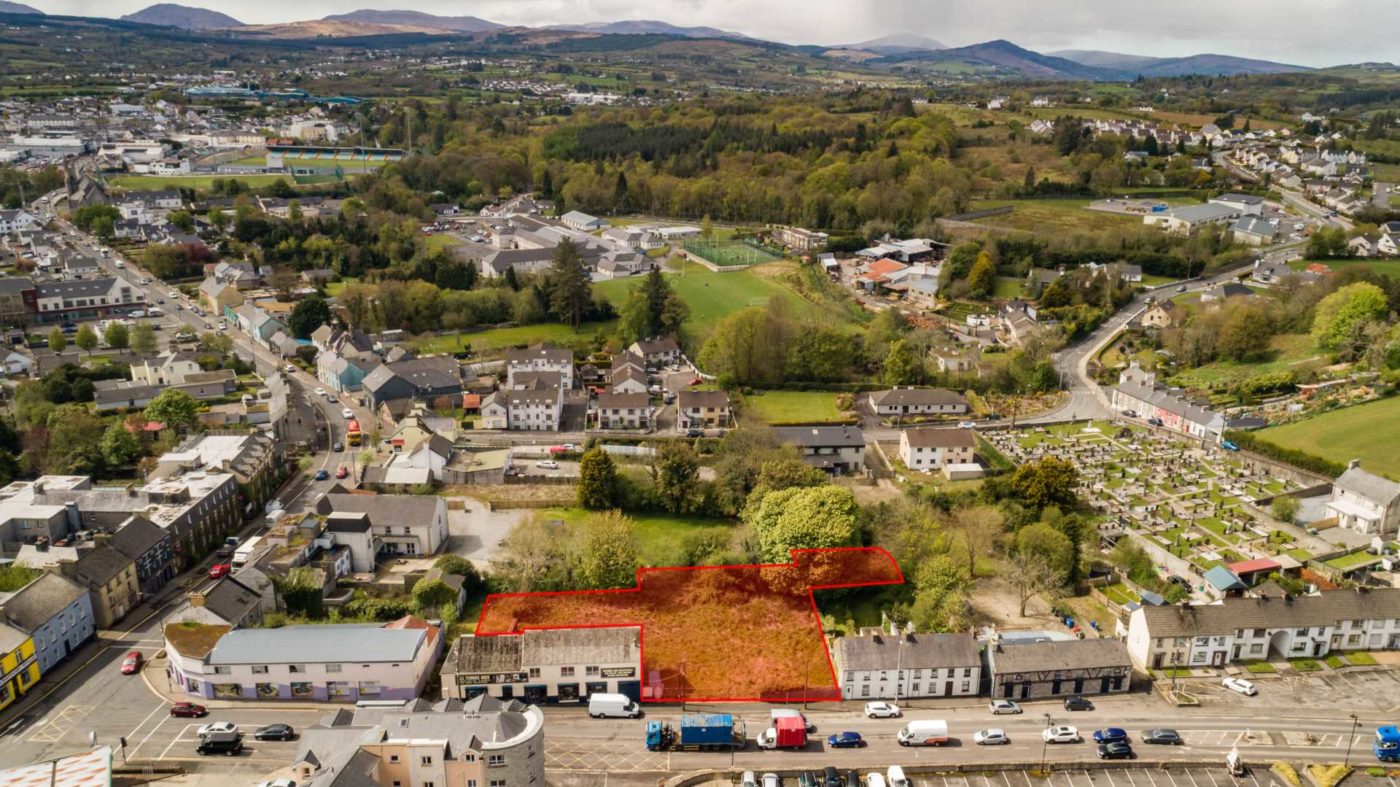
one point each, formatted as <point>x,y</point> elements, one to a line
<point>641,636</point>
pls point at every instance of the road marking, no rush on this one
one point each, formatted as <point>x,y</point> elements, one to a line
<point>1192,778</point>
<point>159,706</point>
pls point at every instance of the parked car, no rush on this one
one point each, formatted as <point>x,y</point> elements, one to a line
<point>694,433</point>
<point>1118,750</point>
<point>132,663</point>
<point>219,570</point>
<point>226,743</point>
<point>341,471</point>
<point>895,776</point>
<point>1076,702</point>
<point>347,413</point>
<point>999,707</point>
<point>830,777</point>
<point>1062,733</point>
<point>1229,445</point>
<point>882,710</point>
<point>772,780</point>
<point>188,710</point>
<point>1110,734</point>
<point>748,780</point>
<point>967,424</point>
<point>217,726</point>
<point>338,447</point>
<point>696,381</point>
<point>990,737</point>
<point>1128,413</point>
<point>1154,421</point>
<point>874,779</point>
<point>322,475</point>
<point>1240,685</point>
<point>275,732</point>
<point>845,740</point>
<point>321,392</point>
<point>1162,735</point>
<point>547,464</point>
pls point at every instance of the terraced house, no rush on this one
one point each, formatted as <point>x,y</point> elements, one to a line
<point>19,667</point>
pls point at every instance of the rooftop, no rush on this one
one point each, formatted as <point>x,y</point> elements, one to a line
<point>1063,655</point>
<point>364,643</point>
<point>911,651</point>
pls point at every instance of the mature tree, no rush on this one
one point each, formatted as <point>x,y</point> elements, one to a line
<point>73,446</point>
<point>978,528</point>
<point>429,595</point>
<point>309,314</point>
<point>120,448</point>
<point>750,346</point>
<point>454,274</point>
<point>902,365</point>
<point>533,557</point>
<point>220,344</point>
<point>570,290</point>
<point>1044,540</point>
<point>58,342</point>
<point>1048,481</point>
<point>1284,508</point>
<point>982,279</point>
<point>676,470</point>
<point>1244,332</point>
<point>86,338</point>
<point>1340,313</point>
<point>116,336</point>
<point>803,518</point>
<point>597,480</point>
<point>785,473</point>
<point>739,460</point>
<point>653,309</point>
<point>941,596</point>
<point>1029,573</point>
<point>174,408</point>
<point>607,552</point>
<point>143,339</point>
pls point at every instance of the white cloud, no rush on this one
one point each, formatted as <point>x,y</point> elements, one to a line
<point>1309,32</point>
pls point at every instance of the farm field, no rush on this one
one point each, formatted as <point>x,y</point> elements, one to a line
<point>714,296</point>
<point>1368,432</point>
<point>794,407</point>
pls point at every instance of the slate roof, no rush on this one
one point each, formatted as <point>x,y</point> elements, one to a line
<point>88,288</point>
<point>384,509</point>
<point>102,564</point>
<point>821,436</point>
<point>686,400</point>
<point>917,397</point>
<point>919,651</point>
<point>545,352</point>
<point>1368,485</point>
<point>230,600</point>
<point>1077,654</point>
<point>36,603</point>
<point>623,401</point>
<point>138,536</point>
<point>1239,613</point>
<point>940,438</point>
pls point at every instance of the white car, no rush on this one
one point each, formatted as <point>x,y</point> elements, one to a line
<point>882,710</point>
<point>320,392</point>
<point>347,413</point>
<point>990,737</point>
<point>999,707</point>
<point>895,776</point>
<point>218,726</point>
<point>874,780</point>
<point>289,369</point>
<point>548,464</point>
<point>1240,685</point>
<point>772,780</point>
<point>967,424</point>
<point>1062,733</point>
<point>748,780</point>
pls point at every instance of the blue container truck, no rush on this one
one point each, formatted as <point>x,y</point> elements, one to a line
<point>697,732</point>
<point>1387,744</point>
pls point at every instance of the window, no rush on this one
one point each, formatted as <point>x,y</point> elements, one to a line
<point>259,669</point>
<point>296,668</point>
<point>534,672</point>
<point>393,758</point>
<point>427,784</point>
<point>966,686</point>
<point>566,672</point>
<point>496,783</point>
<point>495,760</point>
<point>590,671</point>
<point>332,668</point>
<point>398,783</point>
<point>427,759</point>
<point>223,670</point>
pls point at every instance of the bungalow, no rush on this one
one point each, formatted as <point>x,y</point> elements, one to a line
<point>918,401</point>
<point>839,450</point>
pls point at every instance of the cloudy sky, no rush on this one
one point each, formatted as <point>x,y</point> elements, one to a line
<point>1307,32</point>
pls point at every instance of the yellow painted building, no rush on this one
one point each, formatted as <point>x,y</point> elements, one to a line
<point>19,668</point>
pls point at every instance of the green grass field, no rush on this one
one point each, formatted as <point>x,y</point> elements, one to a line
<point>1291,351</point>
<point>497,338</point>
<point>727,253</point>
<point>660,537</point>
<point>794,407</point>
<point>1368,432</point>
<point>441,240</point>
<point>714,296</point>
<point>1008,287</point>
<point>190,181</point>
<point>1389,268</point>
<point>1054,216</point>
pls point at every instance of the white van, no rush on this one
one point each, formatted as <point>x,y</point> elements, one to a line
<point>616,706</point>
<point>895,776</point>
<point>925,732</point>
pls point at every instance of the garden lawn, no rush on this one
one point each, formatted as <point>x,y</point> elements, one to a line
<point>661,538</point>
<point>794,407</point>
<point>1368,432</point>
<point>516,336</point>
<point>1390,268</point>
<point>1008,287</point>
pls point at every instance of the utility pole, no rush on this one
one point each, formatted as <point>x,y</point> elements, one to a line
<point>1346,761</point>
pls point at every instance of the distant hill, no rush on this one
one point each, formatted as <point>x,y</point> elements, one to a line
<point>417,19</point>
<point>183,17</point>
<point>648,27</point>
<point>896,44</point>
<point>1008,59</point>
<point>6,7</point>
<point>1133,65</point>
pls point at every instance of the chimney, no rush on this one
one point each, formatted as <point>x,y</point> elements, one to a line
<point>196,600</point>
<point>39,487</point>
<point>131,490</point>
<point>1353,464</point>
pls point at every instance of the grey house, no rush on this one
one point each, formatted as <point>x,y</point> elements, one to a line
<point>153,549</point>
<point>57,613</point>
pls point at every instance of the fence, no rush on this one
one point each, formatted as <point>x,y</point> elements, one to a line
<point>981,214</point>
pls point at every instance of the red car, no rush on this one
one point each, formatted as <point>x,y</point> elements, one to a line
<point>219,570</point>
<point>696,381</point>
<point>341,472</point>
<point>132,663</point>
<point>188,710</point>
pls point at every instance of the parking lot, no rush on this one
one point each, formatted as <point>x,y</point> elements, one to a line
<point>1370,691</point>
<point>163,738</point>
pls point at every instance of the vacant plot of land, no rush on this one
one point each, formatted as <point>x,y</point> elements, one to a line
<point>1008,287</point>
<point>1054,216</point>
<point>1389,268</point>
<point>716,633</point>
<point>794,407</point>
<point>1368,432</point>
<point>1289,352</point>
<point>515,336</point>
<point>191,181</point>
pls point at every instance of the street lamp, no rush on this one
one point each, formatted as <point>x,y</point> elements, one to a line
<point>1346,761</point>
<point>1045,743</point>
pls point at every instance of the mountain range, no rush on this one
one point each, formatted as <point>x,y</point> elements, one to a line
<point>182,16</point>
<point>997,59</point>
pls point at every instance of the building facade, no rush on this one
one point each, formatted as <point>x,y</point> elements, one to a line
<point>546,665</point>
<point>884,666</point>
<point>918,401</point>
<point>1041,670</point>
<point>925,450</point>
<point>839,450</point>
<point>702,410</point>
<point>19,665</point>
<point>1365,502</point>
<point>56,612</point>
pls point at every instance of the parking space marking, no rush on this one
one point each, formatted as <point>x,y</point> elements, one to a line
<point>1192,778</point>
<point>1151,779</point>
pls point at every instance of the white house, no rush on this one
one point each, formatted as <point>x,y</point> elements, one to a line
<point>622,411</point>
<point>541,358</point>
<point>402,524</point>
<point>924,450</point>
<point>169,368</point>
<point>918,401</point>
<point>1264,627</point>
<point>879,665</point>
<point>1365,502</point>
<point>15,221</point>
<point>535,410</point>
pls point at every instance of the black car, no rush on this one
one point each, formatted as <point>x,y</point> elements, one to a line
<point>1076,702</point>
<point>337,448</point>
<point>832,777</point>
<point>226,743</point>
<point>274,732</point>
<point>1162,736</point>
<point>853,779</point>
<point>693,433</point>
<point>1117,750</point>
